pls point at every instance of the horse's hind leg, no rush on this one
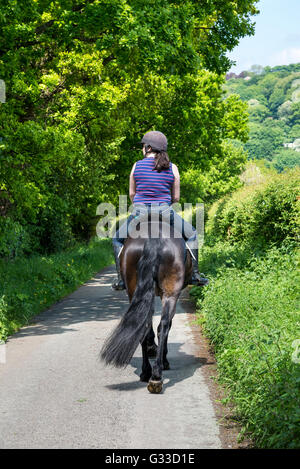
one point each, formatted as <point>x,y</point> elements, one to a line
<point>168,311</point>
<point>149,349</point>
<point>166,364</point>
<point>146,367</point>
<point>151,345</point>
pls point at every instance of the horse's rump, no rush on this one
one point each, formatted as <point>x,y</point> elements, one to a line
<point>173,260</point>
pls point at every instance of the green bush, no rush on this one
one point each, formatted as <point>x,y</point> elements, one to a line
<point>54,230</point>
<point>286,158</point>
<point>250,312</point>
<point>50,232</point>
<point>260,214</point>
<point>29,285</point>
<point>14,239</point>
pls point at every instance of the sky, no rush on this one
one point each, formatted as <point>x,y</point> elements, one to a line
<point>276,40</point>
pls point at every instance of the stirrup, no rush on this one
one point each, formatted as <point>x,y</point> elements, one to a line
<point>198,280</point>
<point>118,284</point>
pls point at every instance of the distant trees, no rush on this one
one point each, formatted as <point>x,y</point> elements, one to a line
<point>264,140</point>
<point>273,98</point>
<point>285,158</point>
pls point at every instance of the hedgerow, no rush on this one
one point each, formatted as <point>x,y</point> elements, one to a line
<point>261,214</point>
<point>252,318</point>
<point>250,310</point>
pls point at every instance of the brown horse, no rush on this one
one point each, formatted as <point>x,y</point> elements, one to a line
<point>149,266</point>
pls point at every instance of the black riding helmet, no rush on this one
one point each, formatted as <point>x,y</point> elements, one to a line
<point>157,140</point>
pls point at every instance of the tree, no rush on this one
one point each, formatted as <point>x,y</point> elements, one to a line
<point>86,78</point>
<point>276,99</point>
<point>286,158</point>
<point>257,69</point>
<point>264,139</point>
<point>294,132</point>
<point>258,112</point>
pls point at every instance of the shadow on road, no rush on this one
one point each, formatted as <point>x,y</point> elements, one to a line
<point>93,301</point>
<point>182,366</point>
<point>60,317</point>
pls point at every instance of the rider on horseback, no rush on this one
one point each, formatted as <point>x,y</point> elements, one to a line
<point>155,185</point>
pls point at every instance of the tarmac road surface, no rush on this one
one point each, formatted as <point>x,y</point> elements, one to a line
<point>55,393</point>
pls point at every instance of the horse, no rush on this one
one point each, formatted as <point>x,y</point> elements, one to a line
<point>150,266</point>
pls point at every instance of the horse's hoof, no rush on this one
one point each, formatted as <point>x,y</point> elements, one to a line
<point>155,387</point>
<point>166,366</point>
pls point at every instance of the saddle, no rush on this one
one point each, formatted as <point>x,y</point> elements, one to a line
<point>158,215</point>
<point>148,224</point>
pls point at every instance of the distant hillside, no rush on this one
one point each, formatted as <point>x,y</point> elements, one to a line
<point>273,96</point>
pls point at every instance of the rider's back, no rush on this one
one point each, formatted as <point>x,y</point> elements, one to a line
<point>152,186</point>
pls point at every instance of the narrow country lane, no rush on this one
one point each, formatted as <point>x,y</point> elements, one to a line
<point>55,393</point>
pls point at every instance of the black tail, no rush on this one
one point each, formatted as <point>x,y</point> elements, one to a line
<point>121,345</point>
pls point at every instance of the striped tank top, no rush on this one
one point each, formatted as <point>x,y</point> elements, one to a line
<point>152,186</point>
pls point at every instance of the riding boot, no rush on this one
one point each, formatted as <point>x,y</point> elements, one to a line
<point>118,284</point>
<point>197,278</point>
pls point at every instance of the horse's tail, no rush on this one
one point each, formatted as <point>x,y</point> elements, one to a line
<point>133,327</point>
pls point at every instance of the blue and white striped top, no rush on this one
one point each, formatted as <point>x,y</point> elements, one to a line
<point>152,186</point>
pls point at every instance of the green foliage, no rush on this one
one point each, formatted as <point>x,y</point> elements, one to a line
<point>53,230</point>
<point>286,158</point>
<point>198,186</point>
<point>14,239</point>
<point>250,309</point>
<point>250,312</point>
<point>258,112</point>
<point>85,80</point>
<point>294,132</point>
<point>273,97</point>
<point>259,213</point>
<point>264,139</point>
<point>29,285</point>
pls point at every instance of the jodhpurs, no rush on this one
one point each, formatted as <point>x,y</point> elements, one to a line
<point>167,214</point>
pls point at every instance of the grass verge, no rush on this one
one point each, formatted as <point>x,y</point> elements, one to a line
<point>30,285</point>
<point>250,313</point>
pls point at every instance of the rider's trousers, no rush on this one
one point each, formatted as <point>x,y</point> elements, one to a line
<point>167,214</point>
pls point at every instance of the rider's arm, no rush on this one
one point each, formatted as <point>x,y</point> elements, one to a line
<point>132,184</point>
<point>176,184</point>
